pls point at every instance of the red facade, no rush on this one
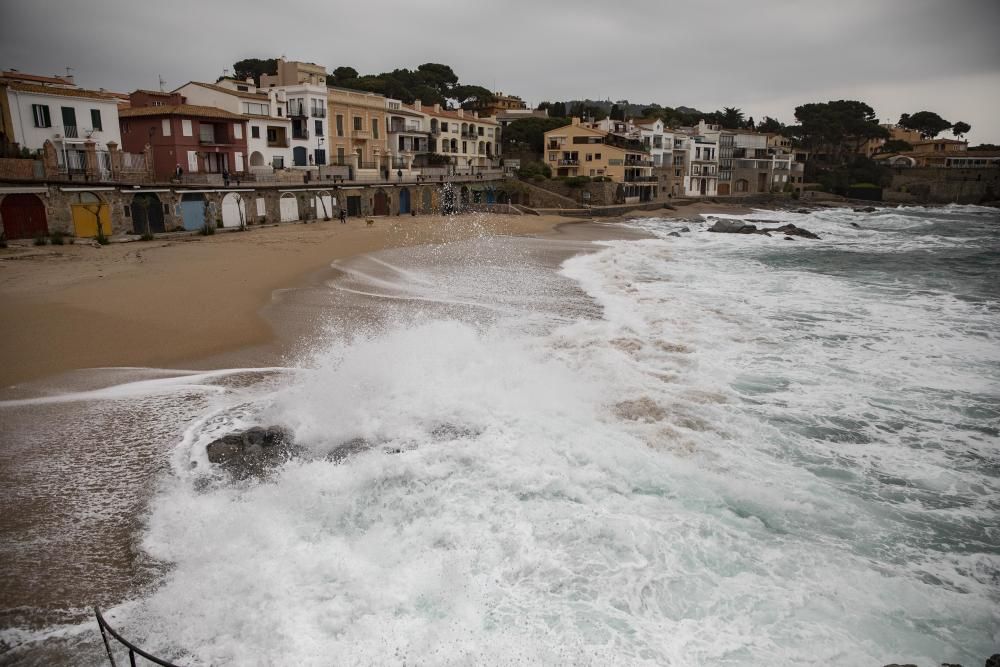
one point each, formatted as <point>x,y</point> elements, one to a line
<point>198,139</point>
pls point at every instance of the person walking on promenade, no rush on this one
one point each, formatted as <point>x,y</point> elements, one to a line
<point>343,216</point>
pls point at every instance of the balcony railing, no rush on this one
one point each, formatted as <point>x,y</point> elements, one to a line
<point>318,112</point>
<point>361,134</point>
<point>569,162</point>
<point>554,145</point>
<point>281,142</point>
<point>296,111</point>
<point>640,179</point>
<point>638,163</point>
<point>301,134</point>
<point>469,135</point>
<point>70,132</point>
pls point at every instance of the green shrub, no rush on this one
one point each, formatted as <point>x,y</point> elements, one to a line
<point>56,238</point>
<point>576,181</point>
<point>538,177</point>
<point>41,239</point>
<point>101,238</point>
<point>533,169</point>
<point>218,223</point>
<point>148,236</point>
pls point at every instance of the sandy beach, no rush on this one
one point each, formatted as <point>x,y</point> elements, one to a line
<point>185,298</point>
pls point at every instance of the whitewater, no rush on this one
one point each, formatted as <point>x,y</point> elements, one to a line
<point>704,449</point>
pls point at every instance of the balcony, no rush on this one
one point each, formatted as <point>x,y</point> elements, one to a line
<point>638,163</point>
<point>361,135</point>
<point>70,131</point>
<point>554,145</point>
<point>569,162</point>
<point>280,142</point>
<point>469,135</point>
<point>640,179</point>
<point>297,111</point>
<point>318,112</point>
<point>301,134</point>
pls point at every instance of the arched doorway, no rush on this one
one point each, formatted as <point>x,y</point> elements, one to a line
<point>23,216</point>
<point>428,200</point>
<point>503,197</point>
<point>88,211</point>
<point>324,205</point>
<point>288,205</point>
<point>147,214</point>
<point>704,185</point>
<point>256,159</point>
<point>381,203</point>
<point>491,197</point>
<point>299,156</point>
<point>234,210</point>
<point>404,201</point>
<point>193,211</point>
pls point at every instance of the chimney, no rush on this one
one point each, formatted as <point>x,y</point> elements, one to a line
<point>461,113</point>
<point>575,120</point>
<point>249,80</point>
<point>437,108</point>
<point>417,106</point>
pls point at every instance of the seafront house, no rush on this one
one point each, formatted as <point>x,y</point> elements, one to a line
<point>268,129</point>
<point>303,87</point>
<point>204,141</point>
<point>358,132</point>
<point>81,124</point>
<point>409,135</point>
<point>581,150</point>
<point>466,141</point>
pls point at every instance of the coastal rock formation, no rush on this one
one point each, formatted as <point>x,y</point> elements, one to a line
<point>253,452</point>
<point>865,209</point>
<point>740,227</point>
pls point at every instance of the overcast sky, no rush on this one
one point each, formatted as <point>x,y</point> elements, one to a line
<point>764,56</point>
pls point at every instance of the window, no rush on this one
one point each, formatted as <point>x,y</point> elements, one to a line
<point>255,133</point>
<point>374,128</point>
<point>340,125</point>
<point>41,115</point>
<point>278,162</point>
<point>272,135</point>
<point>186,128</point>
<point>95,119</point>
<point>590,157</point>
<point>357,123</point>
<point>237,130</point>
<point>242,88</point>
<point>597,156</point>
<point>166,127</point>
<point>255,108</point>
<point>480,131</point>
<point>280,112</point>
<point>465,147</point>
<point>340,155</point>
<point>319,129</point>
<point>444,127</point>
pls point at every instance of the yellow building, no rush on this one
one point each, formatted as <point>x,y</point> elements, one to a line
<point>502,103</point>
<point>358,129</point>
<point>577,150</point>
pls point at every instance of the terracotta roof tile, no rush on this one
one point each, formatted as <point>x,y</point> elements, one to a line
<point>14,75</point>
<point>179,110</point>
<point>262,97</point>
<point>54,90</point>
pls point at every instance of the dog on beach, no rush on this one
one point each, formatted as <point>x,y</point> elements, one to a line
<point>369,221</point>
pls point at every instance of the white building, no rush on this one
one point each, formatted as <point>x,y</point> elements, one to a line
<point>409,135</point>
<point>303,86</point>
<point>54,109</point>
<point>269,130</point>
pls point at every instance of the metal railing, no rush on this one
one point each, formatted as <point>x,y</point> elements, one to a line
<point>133,650</point>
<point>70,132</point>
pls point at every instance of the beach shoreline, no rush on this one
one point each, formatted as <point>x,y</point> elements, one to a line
<point>192,301</point>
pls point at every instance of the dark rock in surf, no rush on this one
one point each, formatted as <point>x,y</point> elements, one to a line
<point>792,230</point>
<point>253,452</point>
<point>685,229</point>
<point>342,452</point>
<point>855,225</point>
<point>789,238</point>
<point>729,226</point>
<point>803,210</point>
<point>865,209</point>
<point>674,234</point>
<point>993,660</point>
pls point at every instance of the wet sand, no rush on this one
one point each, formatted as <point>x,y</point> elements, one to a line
<point>158,303</point>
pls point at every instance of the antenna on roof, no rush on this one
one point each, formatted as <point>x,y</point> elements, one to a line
<point>69,71</point>
<point>162,82</point>
<point>225,72</point>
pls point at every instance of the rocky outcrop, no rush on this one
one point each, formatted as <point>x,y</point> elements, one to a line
<point>253,452</point>
<point>865,209</point>
<point>741,227</point>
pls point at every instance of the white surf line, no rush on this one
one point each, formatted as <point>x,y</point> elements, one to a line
<point>417,278</point>
<point>399,297</point>
<point>188,380</point>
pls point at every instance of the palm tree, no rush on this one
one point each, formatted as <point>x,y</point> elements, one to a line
<point>731,117</point>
